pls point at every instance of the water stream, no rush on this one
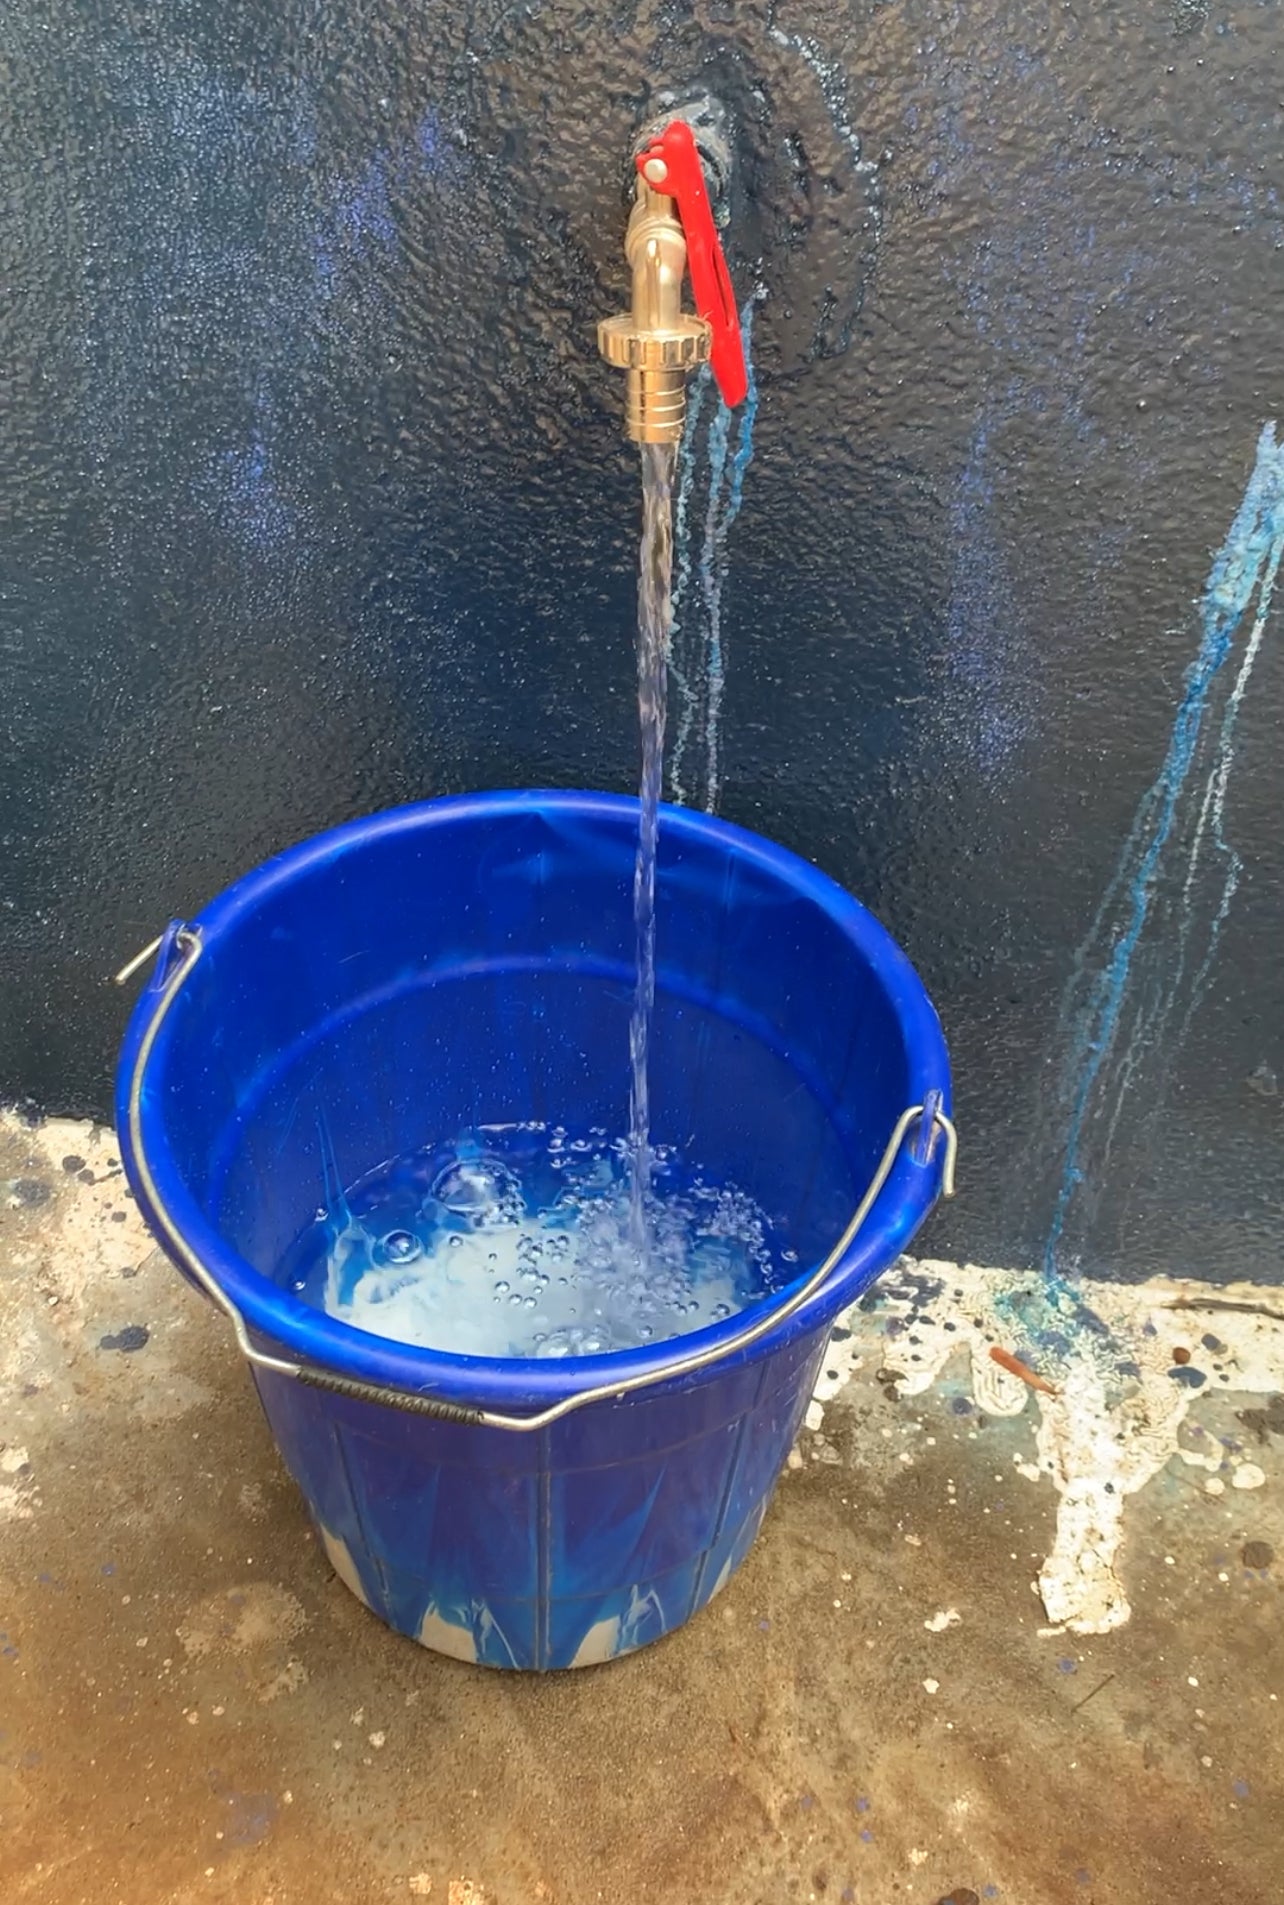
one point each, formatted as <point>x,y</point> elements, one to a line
<point>547,1240</point>
<point>655,618</point>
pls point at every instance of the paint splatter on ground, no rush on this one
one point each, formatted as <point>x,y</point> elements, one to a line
<point>1104,1431</point>
<point>176,1653</point>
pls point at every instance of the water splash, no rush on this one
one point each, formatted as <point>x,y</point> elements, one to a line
<point>1130,979</point>
<point>515,1240</point>
<point>698,663</point>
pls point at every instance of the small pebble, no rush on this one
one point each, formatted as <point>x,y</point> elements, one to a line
<point>1248,1475</point>
<point>133,1336</point>
<point>1257,1554</point>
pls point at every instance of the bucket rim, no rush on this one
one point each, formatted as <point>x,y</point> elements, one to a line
<point>275,1316</point>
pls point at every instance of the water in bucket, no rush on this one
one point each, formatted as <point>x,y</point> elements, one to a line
<point>518,1241</point>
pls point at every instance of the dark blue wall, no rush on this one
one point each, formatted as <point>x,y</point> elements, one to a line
<point>316,502</point>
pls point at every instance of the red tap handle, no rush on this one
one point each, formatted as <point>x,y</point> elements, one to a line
<point>671,164</point>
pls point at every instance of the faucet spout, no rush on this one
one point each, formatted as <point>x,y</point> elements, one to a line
<point>670,229</point>
<point>657,342</point>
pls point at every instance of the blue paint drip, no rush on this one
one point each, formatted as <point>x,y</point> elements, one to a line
<point>1213,810</point>
<point>357,231</point>
<point>1245,568</point>
<point>360,225</point>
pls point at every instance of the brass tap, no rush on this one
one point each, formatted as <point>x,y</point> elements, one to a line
<point>658,342</point>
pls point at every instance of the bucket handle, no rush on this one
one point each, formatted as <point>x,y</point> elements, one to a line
<point>182,945</point>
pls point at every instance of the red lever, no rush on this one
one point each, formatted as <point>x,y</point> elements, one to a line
<point>671,164</point>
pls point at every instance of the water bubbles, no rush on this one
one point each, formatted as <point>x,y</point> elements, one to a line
<point>517,1241</point>
<point>398,1246</point>
<point>481,1190</point>
<point>574,1342</point>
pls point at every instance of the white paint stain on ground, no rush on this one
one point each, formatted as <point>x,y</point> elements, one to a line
<point>1097,1443</point>
<point>87,1264</point>
<point>18,1497</point>
<point>240,1619</point>
<point>84,1268</point>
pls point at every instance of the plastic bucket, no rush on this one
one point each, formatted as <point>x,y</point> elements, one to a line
<point>423,971</point>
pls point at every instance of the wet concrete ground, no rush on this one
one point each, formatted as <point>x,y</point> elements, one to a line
<point>193,1708</point>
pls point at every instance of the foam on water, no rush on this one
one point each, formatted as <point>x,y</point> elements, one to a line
<point>519,1240</point>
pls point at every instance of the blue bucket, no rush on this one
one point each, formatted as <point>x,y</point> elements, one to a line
<point>464,962</point>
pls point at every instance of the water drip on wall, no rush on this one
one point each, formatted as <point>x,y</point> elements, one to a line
<point>711,480</point>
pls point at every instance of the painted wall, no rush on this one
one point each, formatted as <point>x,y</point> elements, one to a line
<point>315,502</point>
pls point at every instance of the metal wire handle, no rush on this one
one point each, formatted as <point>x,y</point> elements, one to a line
<point>188,941</point>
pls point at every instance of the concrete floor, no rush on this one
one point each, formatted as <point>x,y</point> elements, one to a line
<point>193,1708</point>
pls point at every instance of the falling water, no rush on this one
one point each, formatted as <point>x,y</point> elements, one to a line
<point>655,615</point>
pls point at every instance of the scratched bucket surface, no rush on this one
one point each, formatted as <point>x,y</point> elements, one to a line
<point>426,970</point>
